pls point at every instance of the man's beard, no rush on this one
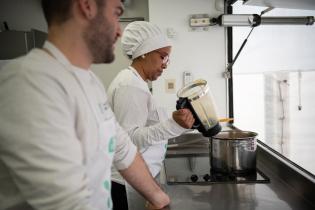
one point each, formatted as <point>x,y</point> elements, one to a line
<point>99,40</point>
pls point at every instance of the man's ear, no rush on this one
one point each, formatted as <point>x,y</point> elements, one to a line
<point>88,8</point>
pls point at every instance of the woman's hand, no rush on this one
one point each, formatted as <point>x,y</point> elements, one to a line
<point>184,118</point>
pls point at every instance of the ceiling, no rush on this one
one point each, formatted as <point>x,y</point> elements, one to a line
<point>290,4</point>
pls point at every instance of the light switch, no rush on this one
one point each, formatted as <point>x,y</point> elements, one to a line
<point>187,77</point>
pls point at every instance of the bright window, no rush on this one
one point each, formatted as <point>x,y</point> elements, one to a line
<point>273,80</point>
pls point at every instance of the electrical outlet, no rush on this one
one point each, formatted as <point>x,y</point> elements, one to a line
<point>199,22</point>
<point>170,85</point>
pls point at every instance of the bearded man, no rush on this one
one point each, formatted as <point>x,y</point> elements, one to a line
<point>58,135</point>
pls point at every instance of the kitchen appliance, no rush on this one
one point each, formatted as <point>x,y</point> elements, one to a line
<point>194,169</point>
<point>233,151</point>
<point>189,159</point>
<point>197,97</point>
<point>17,43</point>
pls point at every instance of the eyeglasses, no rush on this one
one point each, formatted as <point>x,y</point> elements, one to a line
<point>165,58</point>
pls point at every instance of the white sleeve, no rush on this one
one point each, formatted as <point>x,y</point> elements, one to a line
<point>125,150</point>
<point>38,144</point>
<point>130,105</point>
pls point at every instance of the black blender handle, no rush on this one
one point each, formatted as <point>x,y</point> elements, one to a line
<point>183,103</point>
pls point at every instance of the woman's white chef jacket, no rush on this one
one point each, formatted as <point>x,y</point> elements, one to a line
<point>138,113</point>
<point>58,136</point>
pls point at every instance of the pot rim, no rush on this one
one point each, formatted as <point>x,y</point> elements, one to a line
<point>249,135</point>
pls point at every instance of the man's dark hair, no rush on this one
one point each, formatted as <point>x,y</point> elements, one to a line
<point>58,11</point>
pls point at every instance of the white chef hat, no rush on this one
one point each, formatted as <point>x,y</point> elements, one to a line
<point>141,37</point>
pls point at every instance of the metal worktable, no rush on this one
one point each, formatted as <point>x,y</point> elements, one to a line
<point>290,187</point>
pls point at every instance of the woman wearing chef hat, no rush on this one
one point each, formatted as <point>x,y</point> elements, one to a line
<point>132,102</point>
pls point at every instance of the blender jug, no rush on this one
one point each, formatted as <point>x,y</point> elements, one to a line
<point>196,96</point>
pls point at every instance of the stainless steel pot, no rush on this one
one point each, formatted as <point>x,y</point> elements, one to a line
<point>233,151</point>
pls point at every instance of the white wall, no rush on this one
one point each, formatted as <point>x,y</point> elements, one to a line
<point>202,53</point>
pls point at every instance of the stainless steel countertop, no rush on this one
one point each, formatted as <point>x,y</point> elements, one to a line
<point>273,196</point>
<point>276,195</point>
